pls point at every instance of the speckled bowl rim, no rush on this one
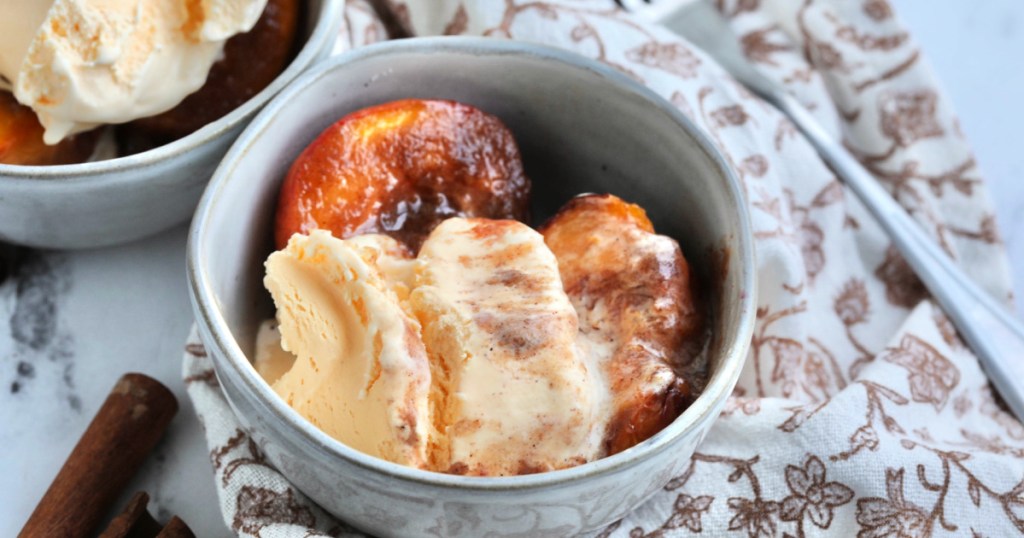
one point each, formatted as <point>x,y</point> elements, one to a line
<point>100,172</point>
<point>722,379</point>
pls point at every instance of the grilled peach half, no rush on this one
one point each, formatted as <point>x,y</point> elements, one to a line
<point>633,294</point>
<point>21,138</point>
<point>400,169</point>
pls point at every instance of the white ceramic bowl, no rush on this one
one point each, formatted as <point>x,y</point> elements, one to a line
<point>109,202</point>
<point>581,127</point>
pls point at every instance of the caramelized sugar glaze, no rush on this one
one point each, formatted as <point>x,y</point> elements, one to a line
<point>634,294</point>
<point>400,169</point>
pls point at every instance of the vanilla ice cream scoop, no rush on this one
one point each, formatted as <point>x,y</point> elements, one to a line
<point>518,394</point>
<point>465,359</point>
<point>360,371</point>
<point>82,63</point>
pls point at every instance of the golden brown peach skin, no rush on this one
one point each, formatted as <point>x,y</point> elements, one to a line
<point>630,287</point>
<point>21,138</point>
<point>401,168</point>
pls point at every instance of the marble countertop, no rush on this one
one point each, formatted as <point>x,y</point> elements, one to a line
<point>77,320</point>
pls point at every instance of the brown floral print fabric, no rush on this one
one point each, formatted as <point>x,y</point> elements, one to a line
<point>859,412</point>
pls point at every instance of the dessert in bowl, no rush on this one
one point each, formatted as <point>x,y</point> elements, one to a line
<point>72,194</point>
<point>422,321</point>
<point>635,146</point>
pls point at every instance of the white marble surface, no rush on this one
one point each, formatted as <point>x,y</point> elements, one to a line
<point>77,323</point>
<point>84,318</point>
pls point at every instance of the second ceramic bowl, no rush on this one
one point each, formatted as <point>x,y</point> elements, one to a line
<point>115,201</point>
<point>581,127</point>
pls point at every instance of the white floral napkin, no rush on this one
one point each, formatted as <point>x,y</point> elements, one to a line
<point>859,411</point>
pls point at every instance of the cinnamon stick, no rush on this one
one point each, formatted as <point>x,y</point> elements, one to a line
<point>135,521</point>
<point>176,528</point>
<point>117,441</point>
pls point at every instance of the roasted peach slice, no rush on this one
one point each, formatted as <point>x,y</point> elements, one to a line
<point>632,292</point>
<point>251,62</point>
<point>401,168</point>
<point>21,138</point>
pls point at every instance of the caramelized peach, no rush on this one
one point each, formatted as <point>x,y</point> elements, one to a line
<point>401,168</point>
<point>632,292</point>
<point>251,61</point>
<point>21,138</point>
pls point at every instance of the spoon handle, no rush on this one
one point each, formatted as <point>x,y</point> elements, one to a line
<point>995,336</point>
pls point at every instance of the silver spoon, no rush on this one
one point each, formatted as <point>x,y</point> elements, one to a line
<point>995,336</point>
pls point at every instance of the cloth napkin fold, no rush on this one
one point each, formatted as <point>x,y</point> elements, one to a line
<point>859,411</point>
